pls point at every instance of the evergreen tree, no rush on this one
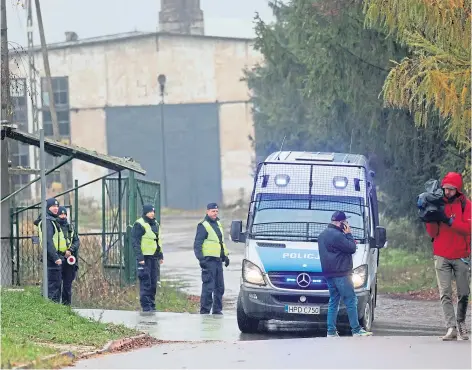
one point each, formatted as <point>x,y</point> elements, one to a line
<point>319,86</point>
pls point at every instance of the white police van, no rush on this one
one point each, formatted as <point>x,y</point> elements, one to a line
<point>294,196</point>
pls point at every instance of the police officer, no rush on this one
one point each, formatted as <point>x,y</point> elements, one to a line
<point>147,245</point>
<point>211,252</point>
<point>73,244</point>
<point>56,248</point>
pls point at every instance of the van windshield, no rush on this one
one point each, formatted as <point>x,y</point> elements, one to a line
<point>303,217</point>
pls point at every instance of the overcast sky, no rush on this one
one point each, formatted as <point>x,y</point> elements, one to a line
<point>90,18</point>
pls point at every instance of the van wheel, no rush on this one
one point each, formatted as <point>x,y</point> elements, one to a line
<point>367,318</point>
<point>246,324</point>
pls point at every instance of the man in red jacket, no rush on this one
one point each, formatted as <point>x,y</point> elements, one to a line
<point>451,249</point>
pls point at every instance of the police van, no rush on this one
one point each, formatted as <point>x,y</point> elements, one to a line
<point>294,196</point>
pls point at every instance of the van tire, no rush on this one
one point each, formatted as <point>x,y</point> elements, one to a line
<point>367,318</point>
<point>246,324</point>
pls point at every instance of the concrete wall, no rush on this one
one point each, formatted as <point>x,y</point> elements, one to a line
<point>236,152</point>
<point>88,130</point>
<point>124,73</point>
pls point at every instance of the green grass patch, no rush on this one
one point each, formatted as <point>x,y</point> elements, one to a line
<point>172,299</point>
<point>28,319</point>
<point>169,298</point>
<point>401,271</point>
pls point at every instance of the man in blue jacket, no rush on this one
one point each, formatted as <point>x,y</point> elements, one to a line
<point>336,247</point>
<point>69,272</point>
<point>211,252</point>
<point>146,239</point>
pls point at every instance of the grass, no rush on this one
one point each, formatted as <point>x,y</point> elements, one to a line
<point>28,319</point>
<point>401,271</point>
<point>168,299</point>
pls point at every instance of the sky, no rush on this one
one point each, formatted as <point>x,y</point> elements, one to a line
<point>92,18</point>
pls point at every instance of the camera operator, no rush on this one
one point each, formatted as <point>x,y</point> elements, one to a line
<point>451,249</point>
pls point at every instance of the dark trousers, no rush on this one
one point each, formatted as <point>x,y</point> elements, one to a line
<point>148,274</point>
<point>68,275</point>
<point>60,280</point>
<point>213,287</point>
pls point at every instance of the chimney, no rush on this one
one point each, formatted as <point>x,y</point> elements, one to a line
<point>181,16</point>
<point>71,36</point>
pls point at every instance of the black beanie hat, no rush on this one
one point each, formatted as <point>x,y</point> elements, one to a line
<point>148,208</point>
<point>51,202</point>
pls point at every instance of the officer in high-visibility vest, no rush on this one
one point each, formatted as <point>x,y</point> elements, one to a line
<point>146,239</point>
<point>56,248</point>
<point>211,252</point>
<point>69,270</point>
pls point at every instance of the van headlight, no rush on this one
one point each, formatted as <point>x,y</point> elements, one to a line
<point>359,276</point>
<point>252,274</point>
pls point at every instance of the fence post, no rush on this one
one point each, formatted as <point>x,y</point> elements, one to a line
<point>104,189</point>
<point>120,227</point>
<point>158,203</point>
<point>130,260</point>
<point>12,248</point>
<point>76,212</point>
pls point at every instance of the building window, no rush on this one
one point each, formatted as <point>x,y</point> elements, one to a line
<point>60,90</point>
<point>19,152</point>
<point>62,121</point>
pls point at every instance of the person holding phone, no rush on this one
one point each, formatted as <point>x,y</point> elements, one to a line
<point>336,246</point>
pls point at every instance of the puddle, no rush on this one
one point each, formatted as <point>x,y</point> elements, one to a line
<point>172,326</point>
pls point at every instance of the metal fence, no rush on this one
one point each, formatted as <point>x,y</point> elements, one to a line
<point>106,259</point>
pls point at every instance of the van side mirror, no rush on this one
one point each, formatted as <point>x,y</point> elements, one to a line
<point>380,236</point>
<point>236,232</point>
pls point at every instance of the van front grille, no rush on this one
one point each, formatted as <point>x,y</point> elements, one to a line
<point>288,280</point>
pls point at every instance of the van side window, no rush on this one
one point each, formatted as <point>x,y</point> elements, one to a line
<point>371,218</point>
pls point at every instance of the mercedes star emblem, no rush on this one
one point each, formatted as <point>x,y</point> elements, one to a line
<point>303,280</point>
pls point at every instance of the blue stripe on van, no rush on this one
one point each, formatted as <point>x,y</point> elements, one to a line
<point>284,259</point>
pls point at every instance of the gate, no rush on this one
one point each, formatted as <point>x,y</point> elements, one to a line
<point>108,245</point>
<point>141,192</point>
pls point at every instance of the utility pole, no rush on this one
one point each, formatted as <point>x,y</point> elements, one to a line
<point>5,74</point>
<point>32,79</point>
<point>52,106</point>
<point>6,276</point>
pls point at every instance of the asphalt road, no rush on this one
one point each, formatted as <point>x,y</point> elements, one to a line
<point>332,353</point>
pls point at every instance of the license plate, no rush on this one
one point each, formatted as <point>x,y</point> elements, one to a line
<point>304,310</point>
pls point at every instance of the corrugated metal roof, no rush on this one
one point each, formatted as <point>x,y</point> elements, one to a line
<point>57,149</point>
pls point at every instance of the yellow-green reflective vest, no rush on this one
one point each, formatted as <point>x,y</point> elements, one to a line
<point>211,246</point>
<point>148,240</point>
<point>58,238</point>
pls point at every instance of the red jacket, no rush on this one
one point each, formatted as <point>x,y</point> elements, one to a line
<point>453,241</point>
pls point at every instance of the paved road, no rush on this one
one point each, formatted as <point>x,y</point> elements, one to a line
<point>332,353</point>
